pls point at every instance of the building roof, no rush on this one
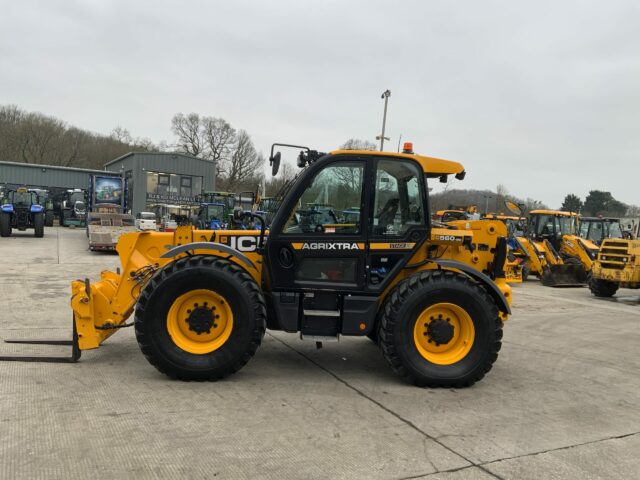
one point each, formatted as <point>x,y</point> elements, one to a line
<point>58,167</point>
<point>170,154</point>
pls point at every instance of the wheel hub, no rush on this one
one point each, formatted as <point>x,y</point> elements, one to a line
<point>201,319</point>
<point>440,331</point>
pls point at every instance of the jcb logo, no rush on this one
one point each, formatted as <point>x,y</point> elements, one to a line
<point>244,243</point>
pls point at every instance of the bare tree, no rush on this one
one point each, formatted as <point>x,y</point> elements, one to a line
<point>121,135</point>
<point>189,132</point>
<point>358,144</point>
<point>219,137</point>
<point>245,162</point>
<point>37,138</point>
<point>286,174</point>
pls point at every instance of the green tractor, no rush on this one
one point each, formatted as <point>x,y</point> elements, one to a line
<point>44,199</point>
<point>21,210</point>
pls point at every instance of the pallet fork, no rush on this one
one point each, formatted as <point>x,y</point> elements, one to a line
<point>75,350</point>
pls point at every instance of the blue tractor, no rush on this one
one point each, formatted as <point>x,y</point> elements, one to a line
<point>21,210</point>
<point>212,216</point>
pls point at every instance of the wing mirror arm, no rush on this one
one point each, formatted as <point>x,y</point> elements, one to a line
<point>251,215</point>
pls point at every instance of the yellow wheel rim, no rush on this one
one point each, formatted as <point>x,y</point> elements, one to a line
<point>200,321</point>
<point>434,323</point>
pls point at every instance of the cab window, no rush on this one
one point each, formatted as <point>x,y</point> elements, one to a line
<point>397,204</point>
<point>331,203</point>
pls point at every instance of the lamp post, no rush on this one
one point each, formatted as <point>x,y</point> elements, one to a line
<point>386,94</point>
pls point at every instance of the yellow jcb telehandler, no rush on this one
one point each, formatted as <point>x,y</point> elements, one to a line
<point>434,298</point>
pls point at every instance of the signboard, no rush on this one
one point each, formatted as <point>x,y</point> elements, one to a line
<point>108,190</point>
<point>170,198</point>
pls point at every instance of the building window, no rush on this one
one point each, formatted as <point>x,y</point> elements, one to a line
<point>185,186</point>
<point>163,179</point>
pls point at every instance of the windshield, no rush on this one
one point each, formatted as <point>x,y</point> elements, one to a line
<point>22,198</point>
<point>542,225</point>
<point>614,230</point>
<point>567,225</point>
<point>215,212</point>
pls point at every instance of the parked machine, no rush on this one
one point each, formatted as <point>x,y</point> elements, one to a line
<point>105,224</point>
<point>617,266</point>
<point>435,298</point>
<point>21,210</point>
<point>146,221</point>
<point>73,208</point>
<point>45,200</point>
<point>211,216</point>
<point>598,229</point>
<point>552,249</point>
<point>455,212</point>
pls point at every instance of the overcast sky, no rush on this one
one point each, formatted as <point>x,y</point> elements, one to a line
<point>543,97</point>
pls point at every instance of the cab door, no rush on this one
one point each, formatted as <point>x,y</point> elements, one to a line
<point>399,221</point>
<point>318,238</point>
<point>316,249</point>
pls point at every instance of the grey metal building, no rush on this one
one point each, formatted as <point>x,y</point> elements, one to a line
<point>164,183</point>
<point>48,176</point>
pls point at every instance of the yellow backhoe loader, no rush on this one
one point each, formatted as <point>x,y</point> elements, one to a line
<point>435,298</point>
<point>617,265</point>
<point>553,251</point>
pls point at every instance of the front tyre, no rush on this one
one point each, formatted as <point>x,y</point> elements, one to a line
<point>440,329</point>
<point>200,318</point>
<point>38,225</point>
<point>602,288</point>
<point>5,225</point>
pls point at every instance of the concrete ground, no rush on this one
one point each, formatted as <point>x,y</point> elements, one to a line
<point>562,401</point>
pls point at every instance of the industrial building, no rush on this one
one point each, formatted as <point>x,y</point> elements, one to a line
<point>164,183</point>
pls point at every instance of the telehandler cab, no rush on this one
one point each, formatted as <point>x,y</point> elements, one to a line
<point>433,298</point>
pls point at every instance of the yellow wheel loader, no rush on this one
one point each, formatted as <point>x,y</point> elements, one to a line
<point>617,266</point>
<point>434,298</point>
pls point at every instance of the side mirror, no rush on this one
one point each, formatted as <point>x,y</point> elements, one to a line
<point>237,214</point>
<point>275,164</point>
<point>514,208</point>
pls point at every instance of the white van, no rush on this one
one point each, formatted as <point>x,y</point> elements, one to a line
<point>146,221</point>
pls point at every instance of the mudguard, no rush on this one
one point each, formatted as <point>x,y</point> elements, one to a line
<point>480,277</point>
<point>8,208</point>
<point>214,246</point>
<point>36,209</point>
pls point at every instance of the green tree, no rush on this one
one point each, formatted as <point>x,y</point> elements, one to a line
<point>572,203</point>
<point>603,203</point>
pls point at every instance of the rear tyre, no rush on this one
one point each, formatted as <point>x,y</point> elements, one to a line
<point>48,219</point>
<point>5,225</point>
<point>602,288</point>
<point>200,318</point>
<point>66,213</point>
<point>38,225</point>
<point>440,329</point>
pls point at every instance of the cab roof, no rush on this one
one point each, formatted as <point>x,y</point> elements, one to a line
<point>433,167</point>
<point>558,213</point>
<point>600,219</point>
